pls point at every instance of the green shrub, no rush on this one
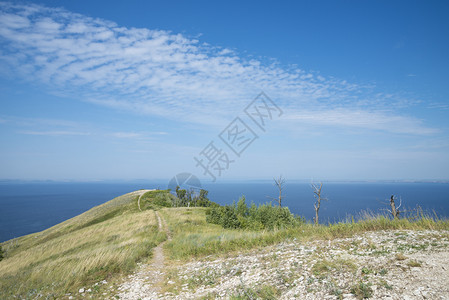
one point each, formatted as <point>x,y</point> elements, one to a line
<point>229,217</point>
<point>213,215</point>
<point>2,254</point>
<point>223,215</point>
<point>163,199</point>
<point>273,217</point>
<point>255,217</point>
<point>190,198</point>
<point>242,209</point>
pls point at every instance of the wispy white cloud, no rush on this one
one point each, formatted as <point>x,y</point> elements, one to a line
<point>440,106</point>
<point>40,122</point>
<point>46,127</point>
<point>126,135</point>
<point>356,118</point>
<point>60,127</point>
<point>136,135</point>
<point>53,133</point>
<point>160,73</point>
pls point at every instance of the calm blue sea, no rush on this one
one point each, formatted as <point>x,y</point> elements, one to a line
<point>30,207</point>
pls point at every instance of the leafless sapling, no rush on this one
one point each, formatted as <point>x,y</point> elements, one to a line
<point>318,197</point>
<point>395,210</point>
<point>279,183</point>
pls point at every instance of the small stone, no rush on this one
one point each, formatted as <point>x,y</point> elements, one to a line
<point>417,292</point>
<point>81,290</point>
<point>89,290</point>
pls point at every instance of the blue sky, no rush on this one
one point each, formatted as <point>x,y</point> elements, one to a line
<point>93,90</point>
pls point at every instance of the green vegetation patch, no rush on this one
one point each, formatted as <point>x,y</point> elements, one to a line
<point>362,290</point>
<point>324,267</point>
<point>267,292</point>
<point>262,217</point>
<point>157,199</point>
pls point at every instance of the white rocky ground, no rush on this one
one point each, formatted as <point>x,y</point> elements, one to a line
<point>379,265</point>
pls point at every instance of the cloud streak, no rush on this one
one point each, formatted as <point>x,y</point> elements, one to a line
<point>53,133</point>
<point>159,73</point>
<point>136,135</point>
<point>59,127</point>
<point>354,118</point>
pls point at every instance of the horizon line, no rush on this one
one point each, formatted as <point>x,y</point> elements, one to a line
<point>233,180</point>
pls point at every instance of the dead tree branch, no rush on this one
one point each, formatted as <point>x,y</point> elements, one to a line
<point>317,194</point>
<point>395,210</point>
<point>279,183</point>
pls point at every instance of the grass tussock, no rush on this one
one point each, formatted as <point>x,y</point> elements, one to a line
<point>103,242</point>
<point>264,292</point>
<point>323,267</point>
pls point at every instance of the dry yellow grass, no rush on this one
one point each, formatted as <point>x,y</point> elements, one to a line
<point>105,241</point>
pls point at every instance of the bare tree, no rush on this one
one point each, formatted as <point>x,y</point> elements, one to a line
<point>279,182</point>
<point>395,210</point>
<point>317,194</point>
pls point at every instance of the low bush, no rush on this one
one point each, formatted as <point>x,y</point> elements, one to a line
<point>265,216</point>
<point>163,199</point>
<point>191,198</point>
<point>157,199</point>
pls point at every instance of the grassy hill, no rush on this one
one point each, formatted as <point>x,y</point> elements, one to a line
<point>105,241</point>
<point>108,241</point>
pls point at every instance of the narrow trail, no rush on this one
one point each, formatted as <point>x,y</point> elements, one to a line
<point>143,192</point>
<point>146,281</point>
<point>158,256</point>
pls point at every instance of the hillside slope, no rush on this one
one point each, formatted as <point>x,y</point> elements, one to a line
<point>108,239</point>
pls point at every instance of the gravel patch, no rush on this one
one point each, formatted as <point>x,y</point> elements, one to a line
<point>378,265</point>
